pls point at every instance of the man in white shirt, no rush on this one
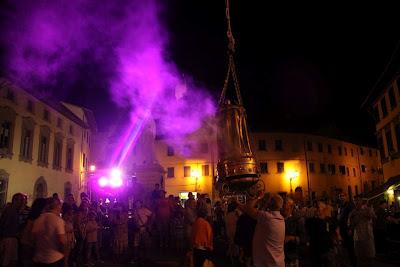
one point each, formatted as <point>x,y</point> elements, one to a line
<point>269,235</point>
<point>49,235</point>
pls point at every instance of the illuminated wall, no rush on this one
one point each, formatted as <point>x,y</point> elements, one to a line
<point>26,175</point>
<point>195,152</point>
<point>356,168</point>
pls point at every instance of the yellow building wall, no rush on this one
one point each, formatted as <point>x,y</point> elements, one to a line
<point>23,175</point>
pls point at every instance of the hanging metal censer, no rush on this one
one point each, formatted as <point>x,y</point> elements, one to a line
<point>237,169</point>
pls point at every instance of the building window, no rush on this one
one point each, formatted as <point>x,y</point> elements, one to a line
<point>262,145</point>
<point>43,147</point>
<point>5,136</point>
<point>69,156</point>
<point>29,106</point>
<point>389,140</point>
<point>44,138</point>
<point>170,151</point>
<point>40,188</point>
<point>340,150</point>
<point>3,188</point>
<point>361,151</point>
<point>71,130</point>
<point>28,126</point>
<point>205,170</point>
<point>384,107</point>
<point>363,168</point>
<point>186,171</point>
<point>311,167</point>
<point>7,119</point>
<point>57,152</point>
<point>332,169</point>
<point>354,172</point>
<point>320,148</point>
<point>373,184</point>
<point>329,149</point>
<point>278,145</point>
<point>59,123</point>
<point>347,171</point>
<point>170,172</point>
<point>345,151</point>
<point>309,145</point>
<point>264,167</point>
<point>322,168</point>
<point>356,189</point>
<point>392,98</point>
<point>352,152</point>
<point>46,115</point>
<point>204,148</point>
<point>370,152</point>
<point>342,169</point>
<point>280,167</point>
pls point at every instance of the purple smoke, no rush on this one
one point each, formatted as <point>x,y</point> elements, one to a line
<point>46,41</point>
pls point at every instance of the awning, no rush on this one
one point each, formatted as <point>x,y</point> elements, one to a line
<point>391,182</point>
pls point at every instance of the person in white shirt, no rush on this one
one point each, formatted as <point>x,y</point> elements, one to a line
<point>269,235</point>
<point>49,236</point>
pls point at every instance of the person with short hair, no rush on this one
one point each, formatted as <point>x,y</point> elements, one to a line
<point>48,233</point>
<point>269,235</point>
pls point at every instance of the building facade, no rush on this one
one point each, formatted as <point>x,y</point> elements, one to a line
<point>386,112</point>
<point>318,165</point>
<point>44,145</point>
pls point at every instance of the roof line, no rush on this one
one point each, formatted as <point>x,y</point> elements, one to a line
<point>382,74</point>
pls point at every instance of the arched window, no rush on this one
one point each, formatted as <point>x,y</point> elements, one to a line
<point>40,189</point>
<point>3,187</point>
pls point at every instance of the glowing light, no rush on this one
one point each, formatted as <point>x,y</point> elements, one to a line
<point>107,201</point>
<point>195,173</point>
<point>103,181</point>
<point>390,191</point>
<point>115,173</point>
<point>398,198</point>
<point>292,174</point>
<point>92,168</point>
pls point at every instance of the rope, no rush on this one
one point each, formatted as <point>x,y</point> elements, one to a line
<point>231,65</point>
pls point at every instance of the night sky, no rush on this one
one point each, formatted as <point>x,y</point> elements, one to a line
<point>300,69</point>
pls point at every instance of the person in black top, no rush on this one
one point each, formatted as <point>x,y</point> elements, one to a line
<point>245,227</point>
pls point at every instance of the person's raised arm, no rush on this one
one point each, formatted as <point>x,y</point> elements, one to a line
<point>250,207</point>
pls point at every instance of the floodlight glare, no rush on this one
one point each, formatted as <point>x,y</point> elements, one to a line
<point>103,181</point>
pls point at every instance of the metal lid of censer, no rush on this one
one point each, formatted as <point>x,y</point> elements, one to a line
<point>237,169</point>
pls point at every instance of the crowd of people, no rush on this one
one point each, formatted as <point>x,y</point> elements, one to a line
<point>267,231</point>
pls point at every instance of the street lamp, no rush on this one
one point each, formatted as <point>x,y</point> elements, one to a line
<point>195,174</point>
<point>292,175</point>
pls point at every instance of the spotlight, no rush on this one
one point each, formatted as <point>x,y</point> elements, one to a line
<point>103,181</point>
<point>115,180</point>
